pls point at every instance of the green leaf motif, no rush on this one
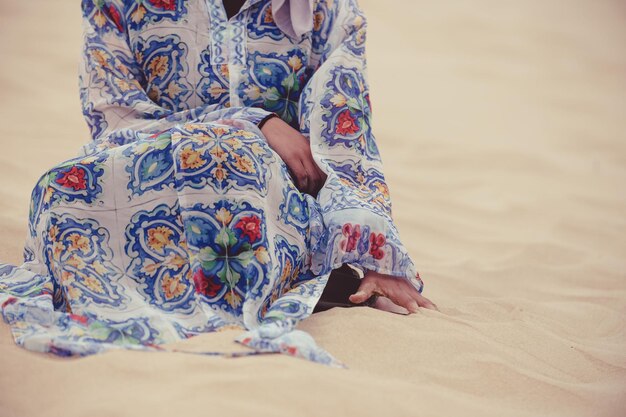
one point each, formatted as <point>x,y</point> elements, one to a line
<point>271,94</point>
<point>245,258</point>
<point>228,275</point>
<point>207,258</point>
<point>353,104</point>
<point>225,238</point>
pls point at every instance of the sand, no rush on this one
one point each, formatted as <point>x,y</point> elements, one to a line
<point>502,126</point>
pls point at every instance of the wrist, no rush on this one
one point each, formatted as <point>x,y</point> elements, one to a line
<point>265,120</point>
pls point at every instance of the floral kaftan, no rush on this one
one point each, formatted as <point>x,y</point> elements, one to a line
<point>178,218</point>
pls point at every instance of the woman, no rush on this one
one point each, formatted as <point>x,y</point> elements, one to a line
<point>232,168</point>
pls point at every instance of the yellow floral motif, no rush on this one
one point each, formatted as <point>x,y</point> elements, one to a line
<point>219,173</point>
<point>172,287</point>
<point>358,21</point>
<point>73,293</point>
<point>286,274</point>
<point>257,149</point>
<point>224,71</point>
<point>234,143</point>
<point>224,216</point>
<point>219,131</point>
<point>338,100</point>
<point>175,261</point>
<point>233,298</point>
<point>268,17</point>
<point>230,327</point>
<point>382,188</point>
<point>121,67</point>
<point>159,237</point>
<point>99,19</point>
<point>76,262</point>
<point>57,249</point>
<point>100,57</point>
<point>295,63</point>
<point>150,267</point>
<point>100,72</point>
<point>89,160</point>
<point>253,92</point>
<point>158,66</point>
<point>216,89</point>
<point>99,268</point>
<point>244,164</point>
<point>93,284</point>
<point>345,182</point>
<point>245,133</point>
<point>48,195</point>
<point>198,138</point>
<point>191,159</point>
<point>53,232</point>
<point>79,242</point>
<point>138,14</point>
<point>122,84</point>
<point>173,89</point>
<point>379,200</point>
<point>218,154</point>
<point>67,277</point>
<point>262,255</point>
<point>360,178</point>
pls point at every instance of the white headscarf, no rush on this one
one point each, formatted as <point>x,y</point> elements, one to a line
<point>293,17</point>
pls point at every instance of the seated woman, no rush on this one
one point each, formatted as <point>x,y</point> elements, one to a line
<point>232,168</point>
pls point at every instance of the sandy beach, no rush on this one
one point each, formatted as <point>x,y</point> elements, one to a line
<point>502,127</point>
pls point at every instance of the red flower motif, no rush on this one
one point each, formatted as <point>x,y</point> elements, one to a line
<point>114,14</point>
<point>346,124</point>
<point>250,227</point>
<point>205,285</point>
<point>377,241</point>
<point>79,319</point>
<point>352,234</point>
<point>164,4</point>
<point>290,350</point>
<point>74,178</point>
<point>9,301</point>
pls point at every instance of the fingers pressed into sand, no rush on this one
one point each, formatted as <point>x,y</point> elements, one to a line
<point>365,291</point>
<point>402,298</point>
<point>425,302</point>
<point>385,304</point>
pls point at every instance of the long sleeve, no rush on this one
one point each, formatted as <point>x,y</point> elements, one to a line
<point>115,104</point>
<point>335,113</point>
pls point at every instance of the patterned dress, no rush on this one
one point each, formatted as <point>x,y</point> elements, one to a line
<point>178,218</point>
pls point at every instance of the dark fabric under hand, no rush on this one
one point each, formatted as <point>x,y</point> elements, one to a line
<point>232,7</point>
<point>342,283</point>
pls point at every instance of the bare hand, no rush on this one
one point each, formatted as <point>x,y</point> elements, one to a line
<point>399,291</point>
<point>294,149</point>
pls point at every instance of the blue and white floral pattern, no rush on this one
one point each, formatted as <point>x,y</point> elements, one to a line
<point>179,218</point>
